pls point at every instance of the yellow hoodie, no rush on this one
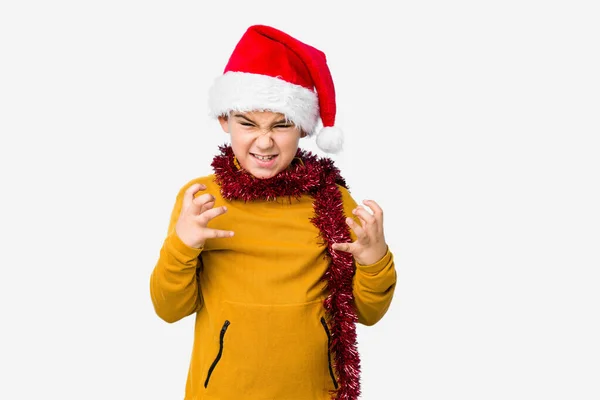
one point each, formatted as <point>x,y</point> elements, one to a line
<point>261,330</point>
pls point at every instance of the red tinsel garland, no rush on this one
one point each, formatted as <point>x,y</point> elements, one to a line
<point>317,177</point>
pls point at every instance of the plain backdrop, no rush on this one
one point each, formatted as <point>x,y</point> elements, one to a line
<point>475,125</point>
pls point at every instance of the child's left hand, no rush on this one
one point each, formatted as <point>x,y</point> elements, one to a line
<point>370,245</point>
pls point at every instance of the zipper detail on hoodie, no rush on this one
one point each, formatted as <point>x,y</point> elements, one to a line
<point>324,323</point>
<point>214,364</point>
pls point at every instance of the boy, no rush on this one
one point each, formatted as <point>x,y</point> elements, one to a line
<point>277,303</point>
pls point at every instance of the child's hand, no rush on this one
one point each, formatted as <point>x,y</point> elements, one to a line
<point>370,245</point>
<point>195,214</point>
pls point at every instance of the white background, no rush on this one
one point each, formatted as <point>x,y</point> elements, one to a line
<point>475,124</point>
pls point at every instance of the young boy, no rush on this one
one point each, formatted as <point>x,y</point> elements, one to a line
<point>277,302</point>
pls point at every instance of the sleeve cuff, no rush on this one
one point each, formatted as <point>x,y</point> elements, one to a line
<point>378,266</point>
<point>181,251</point>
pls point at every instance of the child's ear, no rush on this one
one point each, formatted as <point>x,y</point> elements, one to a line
<point>223,120</point>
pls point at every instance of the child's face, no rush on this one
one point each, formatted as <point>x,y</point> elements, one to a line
<point>263,142</point>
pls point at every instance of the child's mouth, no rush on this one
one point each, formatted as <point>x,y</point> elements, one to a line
<point>264,158</point>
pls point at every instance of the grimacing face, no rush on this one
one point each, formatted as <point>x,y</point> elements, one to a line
<point>264,142</point>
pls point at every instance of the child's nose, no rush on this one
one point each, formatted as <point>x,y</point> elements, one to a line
<point>265,141</point>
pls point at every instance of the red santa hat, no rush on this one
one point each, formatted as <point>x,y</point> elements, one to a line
<point>271,71</point>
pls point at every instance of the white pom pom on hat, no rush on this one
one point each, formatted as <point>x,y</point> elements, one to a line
<point>271,70</point>
<point>330,139</point>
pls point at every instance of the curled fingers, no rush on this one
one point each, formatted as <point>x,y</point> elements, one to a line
<point>356,228</point>
<point>210,214</point>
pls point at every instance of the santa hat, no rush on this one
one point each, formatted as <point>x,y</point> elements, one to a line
<point>271,71</point>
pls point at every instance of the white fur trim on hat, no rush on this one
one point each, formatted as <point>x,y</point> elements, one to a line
<point>241,91</point>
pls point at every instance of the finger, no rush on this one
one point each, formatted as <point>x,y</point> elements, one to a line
<point>217,233</point>
<point>377,211</point>
<point>347,247</point>
<point>370,228</point>
<point>207,206</point>
<point>364,215</point>
<point>206,216</point>
<point>199,203</point>
<point>188,196</point>
<point>356,228</point>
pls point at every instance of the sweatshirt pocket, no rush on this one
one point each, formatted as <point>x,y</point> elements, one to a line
<point>271,351</point>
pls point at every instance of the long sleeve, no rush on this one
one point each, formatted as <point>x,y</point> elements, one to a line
<point>174,283</point>
<point>374,284</point>
<point>374,287</point>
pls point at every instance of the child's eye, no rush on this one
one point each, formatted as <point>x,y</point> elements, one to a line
<point>283,126</point>
<point>245,124</point>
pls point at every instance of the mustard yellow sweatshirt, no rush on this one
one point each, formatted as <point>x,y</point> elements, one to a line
<point>261,330</point>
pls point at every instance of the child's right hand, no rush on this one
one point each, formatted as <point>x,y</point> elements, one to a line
<point>196,212</point>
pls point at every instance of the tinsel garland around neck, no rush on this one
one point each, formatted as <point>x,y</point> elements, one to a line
<point>317,177</point>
